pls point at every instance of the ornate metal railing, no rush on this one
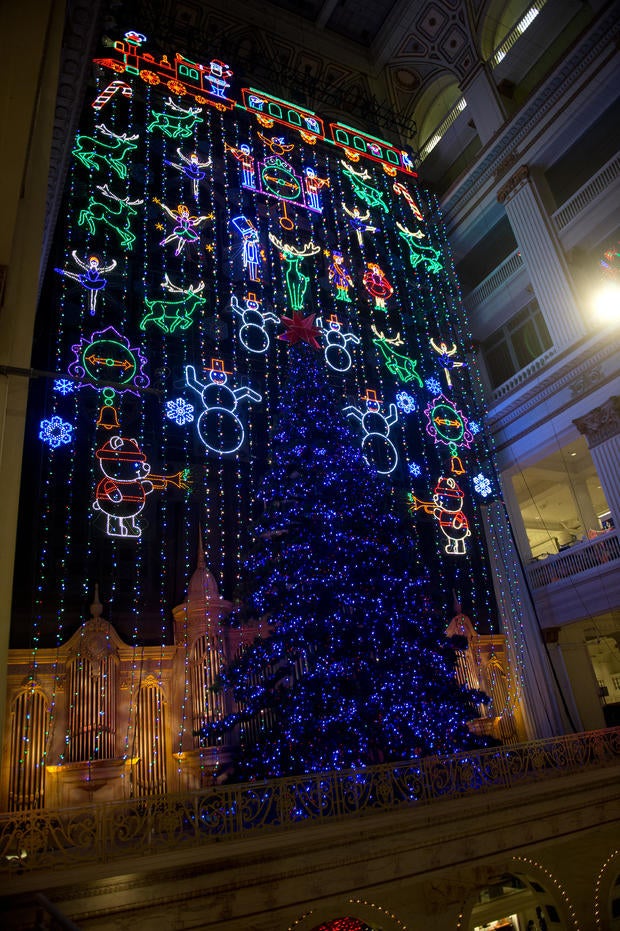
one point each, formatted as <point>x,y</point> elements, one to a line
<point>43,839</point>
<point>579,558</point>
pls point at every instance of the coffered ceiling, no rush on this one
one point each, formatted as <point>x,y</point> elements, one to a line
<point>372,60</point>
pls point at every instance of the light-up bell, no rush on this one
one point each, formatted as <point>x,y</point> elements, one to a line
<point>108,418</point>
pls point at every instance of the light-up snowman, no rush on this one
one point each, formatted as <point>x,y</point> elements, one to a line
<point>252,332</point>
<point>336,353</point>
<point>377,447</point>
<point>219,427</point>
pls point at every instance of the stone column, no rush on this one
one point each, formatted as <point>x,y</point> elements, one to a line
<point>528,665</point>
<point>543,257</point>
<point>516,521</point>
<point>483,102</point>
<point>583,682</point>
<point>601,428</point>
<point>32,33</point>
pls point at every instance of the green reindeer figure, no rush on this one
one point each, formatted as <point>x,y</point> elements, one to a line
<point>115,212</point>
<point>92,151</point>
<point>296,281</point>
<point>419,254</point>
<point>370,195</point>
<point>401,366</point>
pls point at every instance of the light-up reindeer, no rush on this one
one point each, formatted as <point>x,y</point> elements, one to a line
<point>296,281</point>
<point>109,210</point>
<point>91,151</point>
<point>176,312</point>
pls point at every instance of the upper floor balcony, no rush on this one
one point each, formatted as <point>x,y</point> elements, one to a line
<point>582,580</point>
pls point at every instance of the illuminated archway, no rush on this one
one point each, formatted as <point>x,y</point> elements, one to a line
<point>529,898</point>
<point>343,924</point>
<point>499,19</point>
<point>434,104</point>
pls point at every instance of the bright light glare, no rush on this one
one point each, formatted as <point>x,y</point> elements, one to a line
<point>607,302</point>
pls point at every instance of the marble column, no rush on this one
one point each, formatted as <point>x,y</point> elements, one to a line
<point>583,682</point>
<point>528,664</point>
<point>543,257</point>
<point>483,102</point>
<point>516,520</point>
<point>601,428</point>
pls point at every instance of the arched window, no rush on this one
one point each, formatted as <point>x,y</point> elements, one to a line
<point>499,19</point>
<point>436,109</point>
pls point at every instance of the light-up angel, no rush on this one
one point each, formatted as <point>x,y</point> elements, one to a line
<point>185,227</point>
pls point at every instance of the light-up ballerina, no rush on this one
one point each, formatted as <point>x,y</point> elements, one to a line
<point>91,277</point>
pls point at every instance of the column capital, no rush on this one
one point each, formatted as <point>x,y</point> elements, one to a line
<point>472,74</point>
<point>514,184</point>
<point>602,423</point>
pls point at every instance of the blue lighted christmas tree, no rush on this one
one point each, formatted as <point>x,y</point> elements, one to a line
<point>356,669</point>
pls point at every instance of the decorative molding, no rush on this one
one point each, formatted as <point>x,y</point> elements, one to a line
<point>597,47</point>
<point>512,187</point>
<point>602,423</point>
<point>566,373</point>
<point>586,382</point>
<point>505,164</point>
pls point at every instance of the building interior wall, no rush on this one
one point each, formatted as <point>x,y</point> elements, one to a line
<point>548,102</point>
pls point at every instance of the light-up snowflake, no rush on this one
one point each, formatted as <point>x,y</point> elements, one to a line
<point>482,485</point>
<point>64,386</point>
<point>474,426</point>
<point>406,402</point>
<point>180,411</point>
<point>415,469</point>
<point>433,384</point>
<point>55,431</point>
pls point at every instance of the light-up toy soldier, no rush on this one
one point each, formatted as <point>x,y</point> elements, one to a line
<point>253,255</point>
<point>313,186</point>
<point>339,275</point>
<point>246,160</point>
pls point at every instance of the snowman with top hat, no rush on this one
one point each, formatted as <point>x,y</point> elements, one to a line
<point>219,427</point>
<point>377,447</point>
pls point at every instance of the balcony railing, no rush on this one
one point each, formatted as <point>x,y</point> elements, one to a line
<point>43,839</point>
<point>493,282</point>
<point>596,186</point>
<point>581,557</point>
